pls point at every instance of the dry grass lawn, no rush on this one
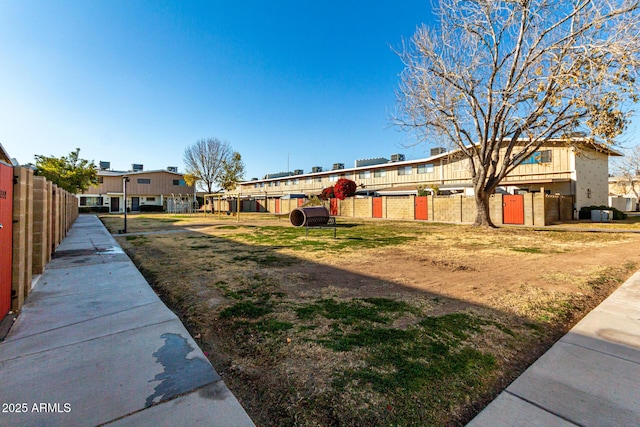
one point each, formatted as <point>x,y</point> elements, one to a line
<point>392,323</point>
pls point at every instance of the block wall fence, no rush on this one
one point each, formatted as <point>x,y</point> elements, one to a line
<point>42,216</point>
<point>538,209</point>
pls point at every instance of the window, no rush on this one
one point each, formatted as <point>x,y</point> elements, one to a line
<point>176,182</point>
<point>146,181</point>
<point>425,168</point>
<point>256,185</point>
<point>319,179</point>
<point>151,199</point>
<point>296,181</point>
<point>405,170</point>
<point>100,179</point>
<point>287,182</point>
<point>333,178</point>
<point>91,201</point>
<point>364,174</point>
<point>277,183</point>
<point>379,173</point>
<point>538,157</point>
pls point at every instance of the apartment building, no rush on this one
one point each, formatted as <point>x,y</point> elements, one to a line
<point>577,168</point>
<point>144,188</point>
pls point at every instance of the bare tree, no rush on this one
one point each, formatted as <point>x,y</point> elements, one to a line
<point>204,160</point>
<point>498,79</point>
<point>627,170</point>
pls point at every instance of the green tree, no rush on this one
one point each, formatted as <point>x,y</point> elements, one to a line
<point>498,79</point>
<point>70,172</point>
<point>232,172</point>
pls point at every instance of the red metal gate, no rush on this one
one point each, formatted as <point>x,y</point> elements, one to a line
<point>300,202</point>
<point>333,206</point>
<point>513,209</point>
<point>421,208</point>
<point>277,206</point>
<point>377,207</point>
<point>6,237</point>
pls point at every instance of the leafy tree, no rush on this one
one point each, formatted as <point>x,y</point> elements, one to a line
<point>232,172</point>
<point>344,188</point>
<point>190,179</point>
<point>205,159</point>
<point>498,79</point>
<point>70,172</point>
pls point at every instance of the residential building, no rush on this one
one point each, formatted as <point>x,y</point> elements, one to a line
<point>578,168</point>
<point>623,192</point>
<point>156,188</point>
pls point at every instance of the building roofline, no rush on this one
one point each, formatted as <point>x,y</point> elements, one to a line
<point>128,173</point>
<point>589,142</point>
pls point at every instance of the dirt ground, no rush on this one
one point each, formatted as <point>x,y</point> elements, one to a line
<point>533,285</point>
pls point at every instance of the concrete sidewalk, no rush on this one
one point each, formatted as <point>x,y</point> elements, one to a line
<point>95,345</point>
<point>591,377</point>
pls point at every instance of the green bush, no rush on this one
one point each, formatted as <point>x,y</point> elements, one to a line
<point>585,212</point>
<point>151,208</point>
<point>93,209</point>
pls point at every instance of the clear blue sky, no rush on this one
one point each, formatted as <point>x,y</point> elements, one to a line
<point>131,81</point>
<point>287,83</point>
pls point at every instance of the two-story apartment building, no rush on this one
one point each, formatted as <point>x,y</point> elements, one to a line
<point>152,187</point>
<point>578,168</point>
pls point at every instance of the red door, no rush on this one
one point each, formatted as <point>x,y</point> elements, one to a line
<point>277,206</point>
<point>513,209</point>
<point>333,206</point>
<point>300,202</point>
<point>421,211</point>
<point>377,207</point>
<point>6,237</point>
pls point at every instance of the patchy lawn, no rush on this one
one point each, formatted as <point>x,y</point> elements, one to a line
<point>392,323</point>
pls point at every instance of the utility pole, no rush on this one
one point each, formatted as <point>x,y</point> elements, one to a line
<point>125,179</point>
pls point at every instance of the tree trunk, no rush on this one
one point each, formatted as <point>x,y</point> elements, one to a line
<point>483,218</point>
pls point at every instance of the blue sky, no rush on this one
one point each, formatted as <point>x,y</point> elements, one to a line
<point>287,83</point>
<point>296,83</point>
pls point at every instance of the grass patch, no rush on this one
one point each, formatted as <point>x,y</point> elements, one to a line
<point>246,309</point>
<point>355,311</point>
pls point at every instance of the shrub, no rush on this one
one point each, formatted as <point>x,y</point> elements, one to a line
<point>327,193</point>
<point>585,212</point>
<point>91,209</point>
<point>151,208</point>
<point>344,188</point>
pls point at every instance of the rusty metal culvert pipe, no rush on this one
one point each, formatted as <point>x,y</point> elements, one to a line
<point>318,215</point>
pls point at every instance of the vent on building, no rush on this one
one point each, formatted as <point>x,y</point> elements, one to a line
<point>397,157</point>
<point>105,165</point>
<point>172,169</point>
<point>371,162</point>
<point>316,169</point>
<point>337,166</point>
<point>438,150</point>
<point>298,172</point>
<point>136,167</point>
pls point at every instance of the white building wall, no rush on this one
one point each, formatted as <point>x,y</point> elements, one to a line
<point>592,182</point>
